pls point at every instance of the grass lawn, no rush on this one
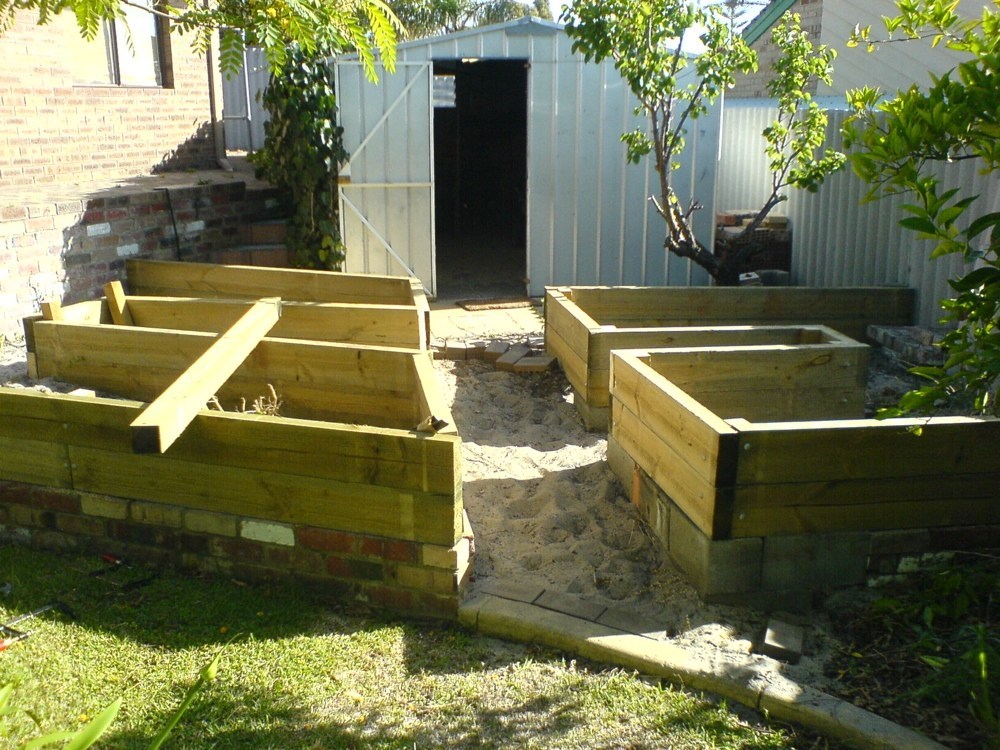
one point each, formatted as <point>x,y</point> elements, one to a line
<point>303,674</point>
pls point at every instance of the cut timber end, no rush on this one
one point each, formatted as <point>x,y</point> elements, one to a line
<point>120,314</point>
<point>146,439</point>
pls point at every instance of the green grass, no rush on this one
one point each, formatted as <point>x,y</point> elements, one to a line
<point>302,674</point>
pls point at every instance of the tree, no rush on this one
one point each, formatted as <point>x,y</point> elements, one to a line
<point>647,43</point>
<point>423,18</point>
<point>899,140</point>
<point>314,26</point>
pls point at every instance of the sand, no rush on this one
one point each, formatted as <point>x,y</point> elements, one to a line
<point>548,512</point>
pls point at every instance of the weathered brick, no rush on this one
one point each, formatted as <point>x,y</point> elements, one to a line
<point>135,533</point>
<point>80,525</point>
<point>325,540</point>
<point>206,522</point>
<point>390,598</point>
<point>342,567</point>
<point>104,506</point>
<point>156,514</point>
<point>268,531</point>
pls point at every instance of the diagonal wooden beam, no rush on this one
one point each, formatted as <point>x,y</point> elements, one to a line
<point>115,294</point>
<point>163,421</point>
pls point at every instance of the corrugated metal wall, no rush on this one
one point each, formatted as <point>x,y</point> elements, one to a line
<point>242,114</point>
<point>838,240</point>
<point>589,220</point>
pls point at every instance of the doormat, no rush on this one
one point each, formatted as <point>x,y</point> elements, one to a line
<point>500,303</point>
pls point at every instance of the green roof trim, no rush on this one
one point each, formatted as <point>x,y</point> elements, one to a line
<point>765,20</point>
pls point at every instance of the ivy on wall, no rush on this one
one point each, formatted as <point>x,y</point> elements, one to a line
<point>303,149</point>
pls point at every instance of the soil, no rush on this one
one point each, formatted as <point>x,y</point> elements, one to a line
<point>548,512</point>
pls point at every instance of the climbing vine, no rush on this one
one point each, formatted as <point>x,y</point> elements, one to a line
<point>302,152</point>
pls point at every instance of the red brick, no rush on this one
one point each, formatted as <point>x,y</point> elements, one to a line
<point>53,499</point>
<point>80,525</point>
<point>325,540</point>
<point>390,598</point>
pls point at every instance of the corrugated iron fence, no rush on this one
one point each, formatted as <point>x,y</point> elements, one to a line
<point>837,238</point>
<point>242,113</point>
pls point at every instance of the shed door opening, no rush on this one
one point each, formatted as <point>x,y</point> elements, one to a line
<point>480,169</point>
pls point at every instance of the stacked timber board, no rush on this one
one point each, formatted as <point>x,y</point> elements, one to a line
<point>765,505</point>
<point>355,484</point>
<point>584,324</point>
<point>350,308</point>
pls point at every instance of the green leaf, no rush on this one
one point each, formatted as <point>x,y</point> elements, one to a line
<point>97,726</point>
<point>919,224</point>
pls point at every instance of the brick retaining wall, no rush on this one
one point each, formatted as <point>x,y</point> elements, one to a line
<point>394,574</point>
<point>66,243</point>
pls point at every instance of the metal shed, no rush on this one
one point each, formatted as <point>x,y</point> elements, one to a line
<point>498,149</point>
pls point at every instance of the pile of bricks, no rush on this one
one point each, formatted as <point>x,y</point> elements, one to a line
<point>913,344</point>
<point>526,355</point>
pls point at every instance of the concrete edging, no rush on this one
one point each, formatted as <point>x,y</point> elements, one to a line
<point>775,695</point>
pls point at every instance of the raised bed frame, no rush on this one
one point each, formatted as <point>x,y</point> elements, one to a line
<point>343,489</point>
<point>584,324</point>
<point>354,308</point>
<point>767,507</point>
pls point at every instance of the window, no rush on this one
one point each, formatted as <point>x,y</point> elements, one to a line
<point>130,52</point>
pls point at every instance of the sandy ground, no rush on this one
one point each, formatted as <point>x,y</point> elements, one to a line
<point>548,512</point>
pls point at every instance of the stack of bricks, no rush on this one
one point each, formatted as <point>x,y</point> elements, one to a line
<point>406,576</point>
<point>524,356</point>
<point>772,240</point>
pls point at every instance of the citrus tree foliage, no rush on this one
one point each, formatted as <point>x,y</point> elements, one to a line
<point>315,26</point>
<point>955,117</point>
<point>303,148</point>
<point>423,18</point>
<point>647,40</point>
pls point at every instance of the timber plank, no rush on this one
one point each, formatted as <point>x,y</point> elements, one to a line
<point>160,423</point>
<point>667,463</point>
<point>34,462</point>
<point>848,310</point>
<point>694,433</point>
<point>773,453</point>
<point>430,398</point>
<point>735,367</point>
<point>338,382</point>
<point>287,498</point>
<point>571,362</point>
<point>340,452</point>
<point>796,403</point>
<point>381,325</point>
<point>117,305</point>
<point>179,279</point>
<point>893,504</point>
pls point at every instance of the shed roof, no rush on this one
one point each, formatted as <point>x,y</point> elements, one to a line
<point>519,26</point>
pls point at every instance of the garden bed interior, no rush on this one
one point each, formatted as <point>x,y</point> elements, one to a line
<point>340,489</point>
<point>763,497</point>
<point>584,324</point>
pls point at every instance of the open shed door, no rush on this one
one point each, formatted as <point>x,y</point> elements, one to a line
<point>387,186</point>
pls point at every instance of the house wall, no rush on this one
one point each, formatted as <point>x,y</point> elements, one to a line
<point>54,130</point>
<point>755,85</point>
<point>891,67</point>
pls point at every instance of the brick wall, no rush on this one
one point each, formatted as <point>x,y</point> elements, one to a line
<point>53,130</point>
<point>67,244</point>
<point>754,86</point>
<point>421,579</point>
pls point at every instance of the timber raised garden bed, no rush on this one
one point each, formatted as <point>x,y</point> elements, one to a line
<point>350,308</point>
<point>339,488</point>
<point>760,504</point>
<point>584,324</point>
